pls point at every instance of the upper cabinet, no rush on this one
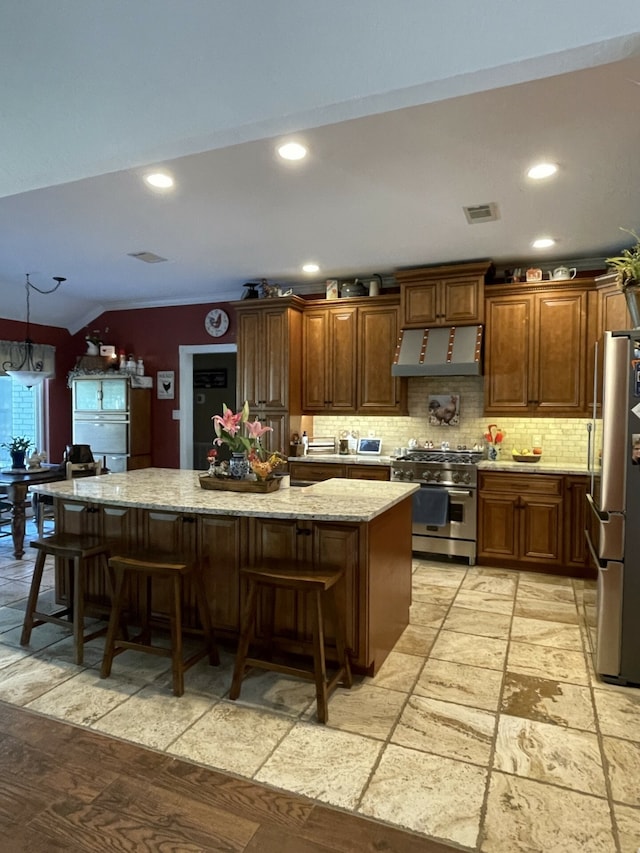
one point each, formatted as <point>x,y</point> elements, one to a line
<point>269,353</point>
<point>269,364</point>
<point>442,296</point>
<point>536,350</point>
<point>348,350</point>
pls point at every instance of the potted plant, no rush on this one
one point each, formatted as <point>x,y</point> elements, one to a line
<point>627,267</point>
<point>17,447</point>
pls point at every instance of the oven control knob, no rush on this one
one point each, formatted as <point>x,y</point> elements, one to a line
<point>397,475</point>
<point>466,477</point>
<point>409,475</point>
<point>426,476</point>
<point>455,477</point>
<point>436,476</point>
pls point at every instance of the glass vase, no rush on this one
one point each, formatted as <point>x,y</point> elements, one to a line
<point>239,466</point>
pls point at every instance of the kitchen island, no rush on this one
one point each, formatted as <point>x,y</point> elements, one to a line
<point>363,526</point>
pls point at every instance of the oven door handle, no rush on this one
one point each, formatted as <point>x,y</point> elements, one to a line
<point>457,493</point>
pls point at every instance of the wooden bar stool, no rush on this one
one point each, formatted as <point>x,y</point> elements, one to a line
<point>320,586</point>
<point>157,567</point>
<point>74,550</point>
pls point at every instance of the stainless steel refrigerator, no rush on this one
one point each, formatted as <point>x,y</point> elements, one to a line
<point>612,610</point>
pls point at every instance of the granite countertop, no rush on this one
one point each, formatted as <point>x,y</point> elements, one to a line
<point>175,490</point>
<point>541,467</point>
<point>344,458</point>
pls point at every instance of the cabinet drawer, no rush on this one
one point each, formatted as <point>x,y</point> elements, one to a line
<point>539,484</point>
<point>315,472</point>
<point>368,472</point>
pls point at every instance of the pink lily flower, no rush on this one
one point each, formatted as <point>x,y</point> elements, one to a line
<point>256,430</point>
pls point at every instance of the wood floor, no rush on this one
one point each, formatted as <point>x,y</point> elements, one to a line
<point>64,788</point>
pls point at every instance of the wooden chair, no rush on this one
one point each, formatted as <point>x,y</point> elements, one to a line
<point>74,551</point>
<point>319,586</point>
<point>152,567</point>
<point>43,504</point>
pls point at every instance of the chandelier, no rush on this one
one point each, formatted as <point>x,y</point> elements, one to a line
<point>29,371</point>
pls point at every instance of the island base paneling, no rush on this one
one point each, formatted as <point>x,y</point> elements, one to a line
<point>376,593</point>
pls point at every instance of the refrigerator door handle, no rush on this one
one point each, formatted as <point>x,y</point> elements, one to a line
<point>607,651</point>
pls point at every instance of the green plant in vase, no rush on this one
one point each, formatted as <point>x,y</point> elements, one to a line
<point>17,448</point>
<point>627,267</point>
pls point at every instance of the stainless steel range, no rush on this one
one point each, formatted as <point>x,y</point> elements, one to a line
<point>445,508</point>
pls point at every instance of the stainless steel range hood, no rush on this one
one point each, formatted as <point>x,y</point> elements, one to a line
<point>446,351</point>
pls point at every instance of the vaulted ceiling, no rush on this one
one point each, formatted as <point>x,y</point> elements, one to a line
<point>410,110</point>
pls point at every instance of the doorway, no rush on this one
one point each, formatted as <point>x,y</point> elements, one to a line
<point>203,358</point>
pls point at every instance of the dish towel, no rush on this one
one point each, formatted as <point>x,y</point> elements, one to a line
<point>431,506</point>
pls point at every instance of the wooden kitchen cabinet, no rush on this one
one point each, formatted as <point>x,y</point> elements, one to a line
<point>536,351</point>
<point>442,296</point>
<point>348,351</point>
<point>269,364</point>
<point>575,523</point>
<point>329,359</point>
<point>319,543</point>
<point>520,521</point>
<point>378,392</point>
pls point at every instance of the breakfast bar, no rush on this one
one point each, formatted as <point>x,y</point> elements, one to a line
<point>362,526</point>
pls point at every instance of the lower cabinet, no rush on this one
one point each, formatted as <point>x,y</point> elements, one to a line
<point>533,522</point>
<point>320,543</point>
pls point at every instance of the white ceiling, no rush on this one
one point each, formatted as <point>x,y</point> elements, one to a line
<point>410,109</point>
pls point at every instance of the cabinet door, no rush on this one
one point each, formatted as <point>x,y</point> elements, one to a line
<point>575,522</point>
<point>250,362</point>
<point>278,438</point>
<point>497,525</point>
<point>222,551</point>
<point>462,301</point>
<point>315,472</point>
<point>338,545</point>
<point>378,390</point>
<point>508,354</point>
<point>540,529</point>
<point>87,395</point>
<point>420,304</point>
<point>559,377</point>
<point>329,359</point>
<point>114,395</point>
<point>275,359</point>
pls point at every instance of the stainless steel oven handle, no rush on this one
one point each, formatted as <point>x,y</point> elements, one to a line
<point>457,493</point>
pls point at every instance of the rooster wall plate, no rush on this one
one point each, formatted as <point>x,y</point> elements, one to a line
<point>216,322</point>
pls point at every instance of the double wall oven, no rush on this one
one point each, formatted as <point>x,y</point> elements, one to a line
<point>445,507</point>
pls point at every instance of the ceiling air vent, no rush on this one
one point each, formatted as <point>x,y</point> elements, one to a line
<point>481,213</point>
<point>147,257</point>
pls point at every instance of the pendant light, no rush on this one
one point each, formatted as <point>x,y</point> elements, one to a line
<point>29,371</point>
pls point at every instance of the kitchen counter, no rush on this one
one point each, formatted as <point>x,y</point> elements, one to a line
<point>362,526</point>
<point>344,458</point>
<point>171,489</point>
<point>542,467</point>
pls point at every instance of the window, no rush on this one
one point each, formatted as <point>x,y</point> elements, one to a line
<point>21,413</point>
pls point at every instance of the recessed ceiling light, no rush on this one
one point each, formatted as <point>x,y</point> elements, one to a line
<point>160,180</point>
<point>543,243</point>
<point>292,151</point>
<point>542,170</point>
<point>311,267</point>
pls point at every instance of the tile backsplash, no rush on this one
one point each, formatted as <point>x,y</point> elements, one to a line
<point>563,439</point>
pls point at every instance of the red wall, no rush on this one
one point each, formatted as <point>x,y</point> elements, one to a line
<point>153,334</point>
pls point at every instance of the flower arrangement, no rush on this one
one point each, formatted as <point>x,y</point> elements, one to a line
<point>228,429</point>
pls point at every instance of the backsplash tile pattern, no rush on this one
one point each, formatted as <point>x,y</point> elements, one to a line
<point>563,439</point>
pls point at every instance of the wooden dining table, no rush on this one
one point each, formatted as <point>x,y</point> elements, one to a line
<point>15,485</point>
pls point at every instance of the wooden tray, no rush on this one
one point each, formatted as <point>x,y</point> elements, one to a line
<point>226,484</point>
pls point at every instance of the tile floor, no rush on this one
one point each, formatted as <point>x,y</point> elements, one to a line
<point>486,726</point>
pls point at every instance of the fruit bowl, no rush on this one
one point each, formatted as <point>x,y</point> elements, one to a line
<point>530,457</point>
